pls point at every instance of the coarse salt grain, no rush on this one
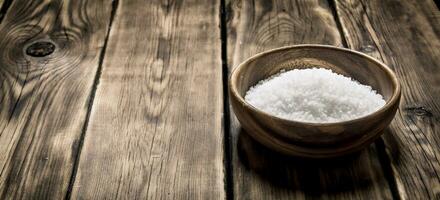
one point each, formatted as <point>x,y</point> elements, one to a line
<point>314,95</point>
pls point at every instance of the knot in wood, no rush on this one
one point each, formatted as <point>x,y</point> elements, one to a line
<point>40,49</point>
<point>419,111</point>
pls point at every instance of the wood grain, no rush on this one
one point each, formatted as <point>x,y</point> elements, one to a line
<point>155,128</point>
<point>406,36</point>
<point>259,173</point>
<point>1,8</point>
<point>44,100</point>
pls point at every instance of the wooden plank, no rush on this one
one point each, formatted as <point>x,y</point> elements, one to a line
<point>44,100</point>
<point>155,128</point>
<point>259,173</point>
<point>1,7</point>
<point>406,36</point>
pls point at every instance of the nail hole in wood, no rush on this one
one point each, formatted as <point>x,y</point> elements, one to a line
<point>40,49</point>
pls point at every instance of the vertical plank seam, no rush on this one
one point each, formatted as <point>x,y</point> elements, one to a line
<point>437,3</point>
<point>227,161</point>
<point>335,15</point>
<point>384,160</point>
<point>373,39</point>
<point>91,98</point>
<point>4,9</point>
<point>385,164</point>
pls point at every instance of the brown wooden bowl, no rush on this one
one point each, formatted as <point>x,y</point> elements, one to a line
<point>307,139</point>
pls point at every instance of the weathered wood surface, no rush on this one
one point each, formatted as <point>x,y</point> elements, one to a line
<point>406,36</point>
<point>155,128</point>
<point>44,100</point>
<point>1,12</point>
<point>258,173</point>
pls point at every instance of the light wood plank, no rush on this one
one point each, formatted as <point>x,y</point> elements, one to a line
<point>406,36</point>
<point>1,7</point>
<point>155,128</point>
<point>259,173</point>
<point>44,100</point>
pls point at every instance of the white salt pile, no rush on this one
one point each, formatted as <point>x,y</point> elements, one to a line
<point>314,95</point>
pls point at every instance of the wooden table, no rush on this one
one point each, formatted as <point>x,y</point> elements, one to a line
<point>126,99</point>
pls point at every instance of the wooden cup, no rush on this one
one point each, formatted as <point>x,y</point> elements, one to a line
<point>317,140</point>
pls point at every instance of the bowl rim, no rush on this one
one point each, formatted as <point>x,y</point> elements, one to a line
<point>392,101</point>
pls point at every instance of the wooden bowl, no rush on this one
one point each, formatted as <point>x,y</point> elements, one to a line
<point>317,140</point>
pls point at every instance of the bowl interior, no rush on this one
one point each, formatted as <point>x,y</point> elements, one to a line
<point>348,63</point>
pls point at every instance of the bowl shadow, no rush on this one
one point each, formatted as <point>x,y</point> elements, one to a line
<point>315,177</point>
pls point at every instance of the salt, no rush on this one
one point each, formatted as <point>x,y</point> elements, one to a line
<point>314,95</point>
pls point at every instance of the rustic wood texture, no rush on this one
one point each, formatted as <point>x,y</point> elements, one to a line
<point>406,36</point>
<point>44,100</point>
<point>258,173</point>
<point>155,128</point>
<point>144,119</point>
<point>1,7</point>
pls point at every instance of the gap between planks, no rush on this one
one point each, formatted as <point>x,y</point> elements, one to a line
<point>91,98</point>
<point>4,6</point>
<point>228,180</point>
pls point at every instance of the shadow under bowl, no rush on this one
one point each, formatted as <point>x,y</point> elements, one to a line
<point>316,140</point>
